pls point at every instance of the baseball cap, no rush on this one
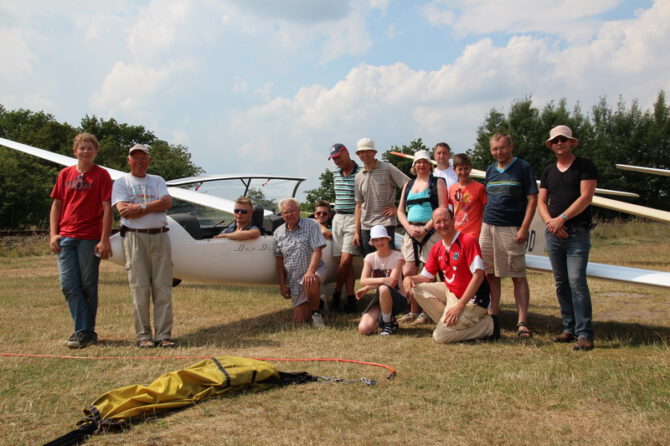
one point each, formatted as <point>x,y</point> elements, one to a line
<point>141,147</point>
<point>336,150</point>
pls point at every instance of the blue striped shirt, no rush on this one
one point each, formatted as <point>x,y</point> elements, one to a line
<point>345,200</point>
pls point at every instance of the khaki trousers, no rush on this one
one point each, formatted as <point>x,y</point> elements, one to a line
<point>149,266</point>
<point>435,299</point>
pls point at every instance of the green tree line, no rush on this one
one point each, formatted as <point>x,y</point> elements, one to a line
<point>26,181</point>
<point>607,135</point>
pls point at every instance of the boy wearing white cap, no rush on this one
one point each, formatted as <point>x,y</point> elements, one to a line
<point>375,192</point>
<point>566,192</point>
<point>382,271</point>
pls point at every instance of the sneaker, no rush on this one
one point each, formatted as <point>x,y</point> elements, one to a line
<point>408,318</point>
<point>317,320</point>
<point>72,341</point>
<point>423,318</point>
<point>388,328</point>
<point>80,340</point>
<point>583,343</point>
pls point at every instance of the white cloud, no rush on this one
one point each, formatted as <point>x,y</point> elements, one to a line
<point>240,85</point>
<point>16,54</point>
<point>572,19</point>
<point>158,28</point>
<point>395,103</point>
<point>264,91</point>
<point>346,36</point>
<point>300,11</point>
<point>129,86</point>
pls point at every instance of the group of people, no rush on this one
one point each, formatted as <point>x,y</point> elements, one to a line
<point>460,239</point>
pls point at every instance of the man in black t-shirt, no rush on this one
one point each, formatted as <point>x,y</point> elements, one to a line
<point>566,192</point>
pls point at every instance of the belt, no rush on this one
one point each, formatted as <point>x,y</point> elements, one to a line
<point>344,212</point>
<point>413,223</point>
<point>146,231</point>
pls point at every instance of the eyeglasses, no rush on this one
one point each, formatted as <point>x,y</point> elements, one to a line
<point>290,211</point>
<point>321,213</point>
<point>241,211</point>
<point>559,139</point>
<point>79,185</point>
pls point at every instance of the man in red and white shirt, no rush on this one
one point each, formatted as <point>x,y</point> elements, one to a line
<point>459,301</point>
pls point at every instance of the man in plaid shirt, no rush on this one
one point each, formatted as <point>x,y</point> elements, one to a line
<point>297,248</point>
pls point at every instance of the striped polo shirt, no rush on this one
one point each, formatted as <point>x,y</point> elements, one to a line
<point>375,190</point>
<point>345,200</point>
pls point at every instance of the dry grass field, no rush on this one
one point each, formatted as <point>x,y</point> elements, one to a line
<point>521,392</point>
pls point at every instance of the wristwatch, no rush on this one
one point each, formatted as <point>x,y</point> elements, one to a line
<point>564,217</point>
<point>143,206</point>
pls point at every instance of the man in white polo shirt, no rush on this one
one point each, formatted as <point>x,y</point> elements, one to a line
<point>142,201</point>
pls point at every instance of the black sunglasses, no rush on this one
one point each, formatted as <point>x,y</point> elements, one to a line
<point>559,139</point>
<point>321,213</point>
<point>241,211</point>
<point>79,185</point>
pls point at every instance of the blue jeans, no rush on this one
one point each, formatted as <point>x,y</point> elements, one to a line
<point>569,258</point>
<point>78,268</point>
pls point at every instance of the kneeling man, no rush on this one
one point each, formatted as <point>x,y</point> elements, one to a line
<point>297,249</point>
<point>458,303</point>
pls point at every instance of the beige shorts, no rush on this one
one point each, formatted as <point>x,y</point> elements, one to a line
<point>343,235</point>
<point>407,249</point>
<point>302,298</point>
<point>502,255</point>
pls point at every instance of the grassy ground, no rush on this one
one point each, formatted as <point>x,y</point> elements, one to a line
<point>512,392</point>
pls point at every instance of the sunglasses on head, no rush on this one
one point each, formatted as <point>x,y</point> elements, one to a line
<point>559,139</point>
<point>241,211</point>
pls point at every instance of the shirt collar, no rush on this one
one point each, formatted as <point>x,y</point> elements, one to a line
<point>448,247</point>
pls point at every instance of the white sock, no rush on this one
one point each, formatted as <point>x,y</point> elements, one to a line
<point>386,317</point>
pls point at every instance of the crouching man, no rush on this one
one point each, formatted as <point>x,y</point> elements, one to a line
<point>297,250</point>
<point>458,303</point>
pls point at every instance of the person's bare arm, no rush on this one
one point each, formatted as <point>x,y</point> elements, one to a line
<point>249,234</point>
<point>134,210</point>
<point>54,225</point>
<point>522,233</point>
<point>104,248</point>
<point>284,290</point>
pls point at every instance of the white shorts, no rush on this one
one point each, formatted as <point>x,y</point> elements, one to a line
<point>343,235</point>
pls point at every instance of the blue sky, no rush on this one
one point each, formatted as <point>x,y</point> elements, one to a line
<point>267,86</point>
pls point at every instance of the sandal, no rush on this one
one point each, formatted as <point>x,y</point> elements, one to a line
<point>145,343</point>
<point>525,334</point>
<point>167,343</point>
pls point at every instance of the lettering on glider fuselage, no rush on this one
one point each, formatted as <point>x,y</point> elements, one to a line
<point>246,248</point>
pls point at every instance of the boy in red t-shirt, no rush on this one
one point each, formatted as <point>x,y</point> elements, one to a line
<point>467,198</point>
<point>79,225</point>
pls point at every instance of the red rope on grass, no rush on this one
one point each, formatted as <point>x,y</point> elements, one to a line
<point>391,375</point>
